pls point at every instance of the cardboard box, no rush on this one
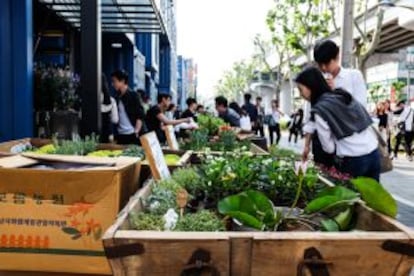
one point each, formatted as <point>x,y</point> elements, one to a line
<point>53,220</point>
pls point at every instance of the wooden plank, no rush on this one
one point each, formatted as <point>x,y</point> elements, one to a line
<point>155,156</point>
<point>346,257</point>
<point>171,138</point>
<point>241,255</point>
<point>170,257</point>
<point>16,161</point>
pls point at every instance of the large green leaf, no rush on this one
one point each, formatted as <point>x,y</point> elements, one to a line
<point>251,208</point>
<point>343,219</point>
<point>328,202</point>
<point>246,219</point>
<point>375,196</point>
<point>329,225</point>
<point>338,191</point>
<point>261,201</point>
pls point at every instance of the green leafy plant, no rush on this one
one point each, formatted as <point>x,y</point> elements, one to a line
<point>283,153</point>
<point>252,209</point>
<point>146,221</point>
<point>133,151</point>
<point>77,146</point>
<point>162,198</point>
<point>202,221</point>
<point>375,196</point>
<point>198,140</point>
<point>210,123</point>
<point>338,202</point>
<point>189,179</point>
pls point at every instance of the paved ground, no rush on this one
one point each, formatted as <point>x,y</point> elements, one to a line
<point>399,182</point>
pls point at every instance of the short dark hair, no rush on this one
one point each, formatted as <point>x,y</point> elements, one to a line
<point>191,101</point>
<point>120,75</point>
<point>247,97</point>
<point>200,106</point>
<point>220,100</point>
<point>163,96</point>
<point>325,51</point>
<point>258,98</point>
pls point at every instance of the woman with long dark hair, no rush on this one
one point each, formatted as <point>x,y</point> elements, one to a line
<point>109,111</point>
<point>342,125</point>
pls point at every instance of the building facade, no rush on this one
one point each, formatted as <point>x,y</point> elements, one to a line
<point>187,80</point>
<point>37,33</point>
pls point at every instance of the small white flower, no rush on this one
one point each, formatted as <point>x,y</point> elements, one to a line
<point>170,218</point>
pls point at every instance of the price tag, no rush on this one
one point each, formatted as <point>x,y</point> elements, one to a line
<point>155,156</point>
<point>182,199</point>
<point>171,138</point>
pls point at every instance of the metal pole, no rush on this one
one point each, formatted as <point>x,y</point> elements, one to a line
<point>91,65</point>
<point>347,41</point>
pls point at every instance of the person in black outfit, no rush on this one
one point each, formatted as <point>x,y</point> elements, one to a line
<point>131,113</point>
<point>250,108</point>
<point>401,128</point>
<point>227,114</point>
<point>191,109</point>
<point>258,124</point>
<point>156,118</point>
<point>296,125</point>
<point>109,112</point>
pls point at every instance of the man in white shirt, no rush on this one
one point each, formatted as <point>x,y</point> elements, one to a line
<point>326,55</point>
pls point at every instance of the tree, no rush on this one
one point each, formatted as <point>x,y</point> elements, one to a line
<point>236,81</point>
<point>369,40</point>
<point>266,50</point>
<point>299,32</point>
<point>398,86</point>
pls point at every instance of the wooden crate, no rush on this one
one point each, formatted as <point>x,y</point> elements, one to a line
<point>363,252</point>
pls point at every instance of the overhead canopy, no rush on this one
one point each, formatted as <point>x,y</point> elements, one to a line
<point>394,37</point>
<point>125,16</point>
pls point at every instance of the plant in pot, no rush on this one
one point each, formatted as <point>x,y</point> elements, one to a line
<point>58,95</point>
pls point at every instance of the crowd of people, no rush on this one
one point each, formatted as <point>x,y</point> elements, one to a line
<point>335,122</point>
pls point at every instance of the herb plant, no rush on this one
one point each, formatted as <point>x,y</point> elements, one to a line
<point>202,221</point>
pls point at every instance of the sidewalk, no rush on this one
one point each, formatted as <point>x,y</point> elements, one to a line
<point>399,182</point>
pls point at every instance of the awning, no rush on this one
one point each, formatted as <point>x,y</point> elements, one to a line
<point>124,16</point>
<point>394,37</point>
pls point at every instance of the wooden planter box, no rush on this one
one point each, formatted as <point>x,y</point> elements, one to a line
<point>53,220</point>
<point>373,250</point>
<point>6,147</point>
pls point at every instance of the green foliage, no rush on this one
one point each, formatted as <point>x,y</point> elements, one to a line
<point>209,123</point>
<point>105,153</point>
<point>297,33</point>
<point>331,198</point>
<point>252,209</point>
<point>134,151</point>
<point>375,196</point>
<point>236,80</point>
<point>202,221</point>
<point>146,221</point>
<point>283,153</point>
<point>189,179</point>
<point>162,198</point>
<point>77,146</point>
<point>198,140</point>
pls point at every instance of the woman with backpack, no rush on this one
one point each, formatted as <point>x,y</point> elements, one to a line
<point>342,125</point>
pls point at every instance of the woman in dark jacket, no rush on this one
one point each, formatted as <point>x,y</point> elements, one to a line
<point>342,125</point>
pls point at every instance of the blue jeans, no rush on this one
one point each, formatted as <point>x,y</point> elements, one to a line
<point>367,165</point>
